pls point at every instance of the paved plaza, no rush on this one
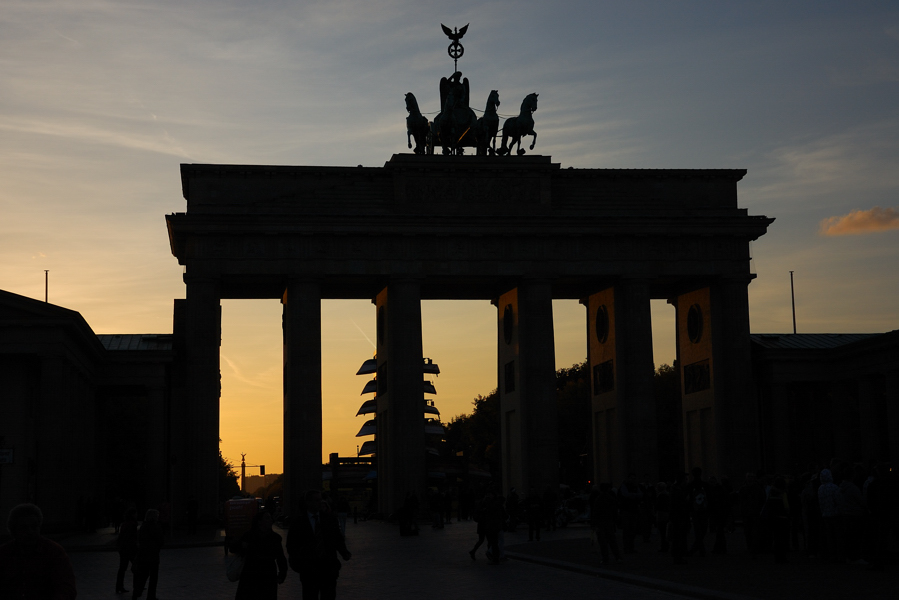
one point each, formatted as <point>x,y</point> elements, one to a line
<point>436,565</point>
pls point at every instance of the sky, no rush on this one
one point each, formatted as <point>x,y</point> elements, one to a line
<point>100,101</point>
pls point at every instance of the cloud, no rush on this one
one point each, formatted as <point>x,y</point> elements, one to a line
<point>239,376</point>
<point>861,221</point>
<point>88,134</point>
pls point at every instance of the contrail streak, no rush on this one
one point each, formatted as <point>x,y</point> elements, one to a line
<point>363,334</point>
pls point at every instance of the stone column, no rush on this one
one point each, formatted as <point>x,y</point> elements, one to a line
<point>619,331</point>
<point>199,462</point>
<point>609,460</point>
<point>400,421</point>
<point>633,324</point>
<point>301,323</point>
<point>527,388</point>
<point>891,390</point>
<point>868,417</point>
<point>157,449</point>
<point>696,362</point>
<point>736,418</point>
<point>778,452</point>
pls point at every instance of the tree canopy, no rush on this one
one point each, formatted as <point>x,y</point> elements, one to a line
<point>478,434</point>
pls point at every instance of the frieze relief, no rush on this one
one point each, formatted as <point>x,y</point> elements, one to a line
<point>472,190</point>
<point>578,250</point>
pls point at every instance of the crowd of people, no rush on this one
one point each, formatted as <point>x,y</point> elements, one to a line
<point>32,566</point>
<point>844,513</point>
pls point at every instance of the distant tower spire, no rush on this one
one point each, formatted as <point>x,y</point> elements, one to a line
<point>793,300</point>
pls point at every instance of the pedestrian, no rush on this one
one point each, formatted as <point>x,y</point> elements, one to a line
<point>679,513</point>
<point>193,512</point>
<point>313,542</point>
<point>513,505</point>
<point>812,513</point>
<point>264,564</point>
<point>406,515</point>
<point>699,502</point>
<point>851,515</point>
<point>831,542</point>
<point>550,504</point>
<point>532,509</point>
<point>662,505</point>
<point>603,519</point>
<point>126,544</point>
<point>31,566</point>
<point>342,508</point>
<point>146,560</point>
<point>435,507</point>
<point>776,519</point>
<point>629,497</point>
<point>479,514</point>
<point>752,498</point>
<point>495,519</point>
<point>719,499</point>
<point>881,498</point>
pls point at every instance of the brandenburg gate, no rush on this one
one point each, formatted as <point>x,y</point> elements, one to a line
<point>517,231</point>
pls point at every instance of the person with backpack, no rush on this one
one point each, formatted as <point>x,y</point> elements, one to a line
<point>603,517</point>
<point>679,513</point>
<point>532,510</point>
<point>699,505</point>
<point>776,519</point>
<point>479,514</point>
<point>126,544</point>
<point>629,497</point>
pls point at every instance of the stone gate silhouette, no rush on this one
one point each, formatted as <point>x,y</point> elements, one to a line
<point>516,231</point>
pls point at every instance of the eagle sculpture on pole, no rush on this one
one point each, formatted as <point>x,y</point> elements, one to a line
<point>455,49</point>
<point>455,36</point>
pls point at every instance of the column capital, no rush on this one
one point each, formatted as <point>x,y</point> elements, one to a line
<point>191,279</point>
<point>306,283</point>
<point>737,278</point>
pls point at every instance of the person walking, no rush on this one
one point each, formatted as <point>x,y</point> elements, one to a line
<point>146,559</point>
<point>479,513</point>
<point>831,547</point>
<point>532,510</point>
<point>629,497</point>
<point>264,564</point>
<point>679,513</point>
<point>126,544</point>
<point>603,519</point>
<point>662,516</point>
<point>313,542</point>
<point>495,519</point>
<point>752,498</point>
<point>776,519</point>
<point>851,515</point>
<point>699,503</point>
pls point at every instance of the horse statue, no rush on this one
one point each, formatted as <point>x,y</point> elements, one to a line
<point>453,127</point>
<point>487,126</point>
<point>417,125</point>
<point>520,126</point>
